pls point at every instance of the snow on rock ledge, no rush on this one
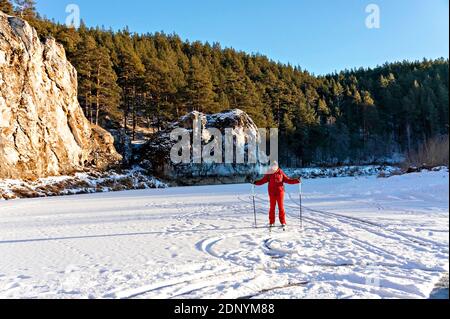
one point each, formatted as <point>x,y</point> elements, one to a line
<point>79,183</point>
<point>43,130</point>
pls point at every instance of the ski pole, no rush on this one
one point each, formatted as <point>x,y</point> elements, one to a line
<point>300,193</point>
<point>254,205</point>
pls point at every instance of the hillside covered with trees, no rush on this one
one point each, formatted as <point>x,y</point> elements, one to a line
<point>147,80</point>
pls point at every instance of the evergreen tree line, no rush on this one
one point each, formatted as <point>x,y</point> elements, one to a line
<point>148,80</point>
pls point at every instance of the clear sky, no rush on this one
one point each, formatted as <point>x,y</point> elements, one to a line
<point>321,36</point>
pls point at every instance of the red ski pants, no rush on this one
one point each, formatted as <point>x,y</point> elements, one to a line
<point>274,200</point>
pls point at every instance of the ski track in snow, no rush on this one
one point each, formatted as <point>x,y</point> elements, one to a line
<point>363,238</point>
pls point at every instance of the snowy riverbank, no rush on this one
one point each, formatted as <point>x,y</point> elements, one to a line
<point>133,179</point>
<point>364,237</point>
<point>79,183</point>
<point>342,171</point>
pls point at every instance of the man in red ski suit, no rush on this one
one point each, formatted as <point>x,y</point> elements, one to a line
<point>276,179</point>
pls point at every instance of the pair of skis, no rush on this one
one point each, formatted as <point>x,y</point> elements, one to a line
<point>300,194</point>
<point>272,227</point>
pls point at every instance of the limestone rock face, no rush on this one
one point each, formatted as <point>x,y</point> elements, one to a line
<point>156,159</point>
<point>43,130</point>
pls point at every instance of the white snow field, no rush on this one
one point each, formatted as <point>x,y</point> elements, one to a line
<point>363,238</point>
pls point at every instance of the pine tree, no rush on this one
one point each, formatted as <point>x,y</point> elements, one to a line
<point>69,38</point>
<point>6,6</point>
<point>130,72</point>
<point>369,114</point>
<point>323,111</point>
<point>84,63</point>
<point>106,90</point>
<point>155,74</point>
<point>199,93</point>
<point>26,9</point>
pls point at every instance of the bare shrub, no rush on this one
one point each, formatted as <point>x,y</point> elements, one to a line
<point>432,153</point>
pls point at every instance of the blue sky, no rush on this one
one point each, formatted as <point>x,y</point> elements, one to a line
<point>319,35</point>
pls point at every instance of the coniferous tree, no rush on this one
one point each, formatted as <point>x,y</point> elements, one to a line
<point>26,9</point>
<point>84,62</point>
<point>130,72</point>
<point>69,38</point>
<point>106,90</point>
<point>6,6</point>
<point>199,94</point>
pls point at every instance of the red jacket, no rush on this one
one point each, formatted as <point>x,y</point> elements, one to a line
<point>276,182</point>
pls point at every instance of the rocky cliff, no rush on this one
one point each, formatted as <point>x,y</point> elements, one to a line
<point>43,130</point>
<point>155,156</point>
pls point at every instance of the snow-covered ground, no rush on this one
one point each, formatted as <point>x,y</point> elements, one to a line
<point>363,238</point>
<point>79,183</point>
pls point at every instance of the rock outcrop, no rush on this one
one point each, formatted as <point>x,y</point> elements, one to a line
<point>156,154</point>
<point>43,130</point>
